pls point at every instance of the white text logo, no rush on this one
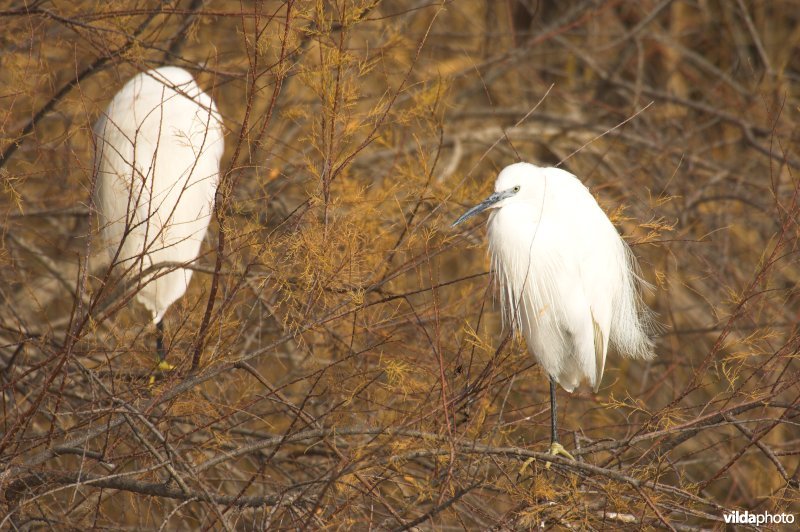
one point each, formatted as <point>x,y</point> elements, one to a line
<point>747,518</point>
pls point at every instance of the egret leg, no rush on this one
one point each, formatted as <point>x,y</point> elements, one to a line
<point>161,353</point>
<point>160,341</point>
<point>555,447</point>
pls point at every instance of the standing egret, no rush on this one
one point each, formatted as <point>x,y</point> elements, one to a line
<point>567,280</point>
<point>158,149</point>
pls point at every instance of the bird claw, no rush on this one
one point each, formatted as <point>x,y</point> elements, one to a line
<point>555,449</point>
<point>558,449</point>
<point>525,465</point>
<point>162,367</point>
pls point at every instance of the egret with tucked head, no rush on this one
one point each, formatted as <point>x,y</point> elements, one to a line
<point>568,281</point>
<point>158,149</point>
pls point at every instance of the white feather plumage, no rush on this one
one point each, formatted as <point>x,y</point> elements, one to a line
<point>562,268</point>
<point>158,148</point>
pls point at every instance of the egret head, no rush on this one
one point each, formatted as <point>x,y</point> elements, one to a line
<point>510,186</point>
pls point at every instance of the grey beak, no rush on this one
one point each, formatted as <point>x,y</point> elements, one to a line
<point>482,206</point>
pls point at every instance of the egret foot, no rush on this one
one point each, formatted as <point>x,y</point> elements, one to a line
<point>162,366</point>
<point>556,449</point>
<point>525,465</point>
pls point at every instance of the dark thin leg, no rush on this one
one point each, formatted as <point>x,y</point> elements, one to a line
<point>553,413</point>
<point>555,447</point>
<point>160,352</point>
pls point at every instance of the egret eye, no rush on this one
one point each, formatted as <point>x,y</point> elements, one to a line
<point>515,189</point>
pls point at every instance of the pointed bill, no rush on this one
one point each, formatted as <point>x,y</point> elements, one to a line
<point>488,203</point>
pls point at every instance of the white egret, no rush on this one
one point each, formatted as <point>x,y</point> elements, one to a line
<point>568,281</point>
<point>157,156</point>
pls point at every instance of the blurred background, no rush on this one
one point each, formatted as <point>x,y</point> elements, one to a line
<point>353,368</point>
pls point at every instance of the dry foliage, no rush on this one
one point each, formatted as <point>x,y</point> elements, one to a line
<point>341,362</point>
